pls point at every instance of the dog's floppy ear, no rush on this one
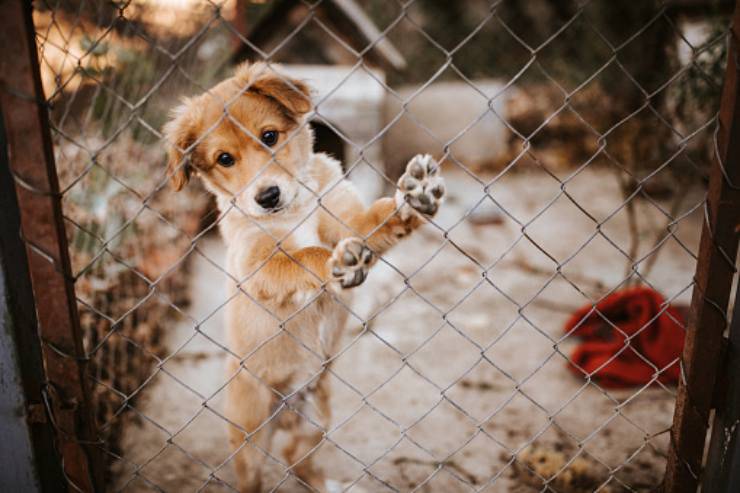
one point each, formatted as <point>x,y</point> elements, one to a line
<point>293,95</point>
<point>180,133</point>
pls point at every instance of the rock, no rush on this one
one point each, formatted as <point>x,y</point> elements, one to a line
<point>487,213</point>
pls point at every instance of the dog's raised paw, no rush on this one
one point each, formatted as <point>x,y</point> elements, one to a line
<point>421,187</point>
<point>350,262</point>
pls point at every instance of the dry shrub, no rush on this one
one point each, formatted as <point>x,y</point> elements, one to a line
<point>129,238</point>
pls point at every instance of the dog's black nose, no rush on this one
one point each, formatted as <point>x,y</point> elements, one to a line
<point>268,198</point>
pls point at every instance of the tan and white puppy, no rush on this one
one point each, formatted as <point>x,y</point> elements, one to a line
<point>297,236</point>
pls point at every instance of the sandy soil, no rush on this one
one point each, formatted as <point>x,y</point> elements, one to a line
<point>455,372</point>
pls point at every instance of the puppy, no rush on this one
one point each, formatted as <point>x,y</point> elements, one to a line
<point>297,238</point>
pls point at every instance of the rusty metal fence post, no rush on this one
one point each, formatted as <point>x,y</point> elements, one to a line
<point>27,452</point>
<point>722,472</point>
<point>708,320</point>
<point>31,163</point>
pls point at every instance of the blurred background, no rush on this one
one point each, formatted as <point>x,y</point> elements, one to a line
<point>575,138</point>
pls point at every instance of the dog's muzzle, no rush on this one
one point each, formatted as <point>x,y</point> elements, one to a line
<point>268,198</point>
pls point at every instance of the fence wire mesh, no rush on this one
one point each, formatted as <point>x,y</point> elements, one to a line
<point>575,157</point>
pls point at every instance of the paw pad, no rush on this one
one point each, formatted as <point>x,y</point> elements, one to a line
<point>350,262</point>
<point>421,187</point>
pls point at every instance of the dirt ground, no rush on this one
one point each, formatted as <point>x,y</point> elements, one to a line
<point>416,405</point>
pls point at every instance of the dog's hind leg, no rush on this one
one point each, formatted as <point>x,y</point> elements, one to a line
<point>307,428</point>
<point>248,407</point>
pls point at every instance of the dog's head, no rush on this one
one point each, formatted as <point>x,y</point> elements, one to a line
<point>246,138</point>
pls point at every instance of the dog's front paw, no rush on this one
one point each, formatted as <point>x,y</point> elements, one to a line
<point>420,188</point>
<point>350,262</point>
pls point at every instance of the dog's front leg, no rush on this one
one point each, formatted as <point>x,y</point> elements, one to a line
<point>287,277</point>
<point>420,192</point>
<point>300,273</point>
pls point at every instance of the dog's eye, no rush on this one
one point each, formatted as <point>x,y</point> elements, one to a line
<point>269,138</point>
<point>225,159</point>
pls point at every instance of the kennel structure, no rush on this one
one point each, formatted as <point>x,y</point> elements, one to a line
<point>457,373</point>
<point>349,117</point>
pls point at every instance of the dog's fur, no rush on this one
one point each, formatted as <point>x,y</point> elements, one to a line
<point>287,316</point>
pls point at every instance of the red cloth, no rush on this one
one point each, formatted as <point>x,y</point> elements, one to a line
<point>660,341</point>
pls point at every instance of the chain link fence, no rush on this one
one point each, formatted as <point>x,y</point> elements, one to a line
<point>526,338</point>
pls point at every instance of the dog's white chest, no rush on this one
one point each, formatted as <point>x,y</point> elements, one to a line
<point>307,232</point>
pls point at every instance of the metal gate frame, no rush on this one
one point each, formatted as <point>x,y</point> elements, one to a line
<point>30,462</point>
<point>65,390</point>
<point>702,363</point>
<point>31,163</point>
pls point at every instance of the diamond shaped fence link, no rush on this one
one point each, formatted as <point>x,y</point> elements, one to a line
<point>130,283</point>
